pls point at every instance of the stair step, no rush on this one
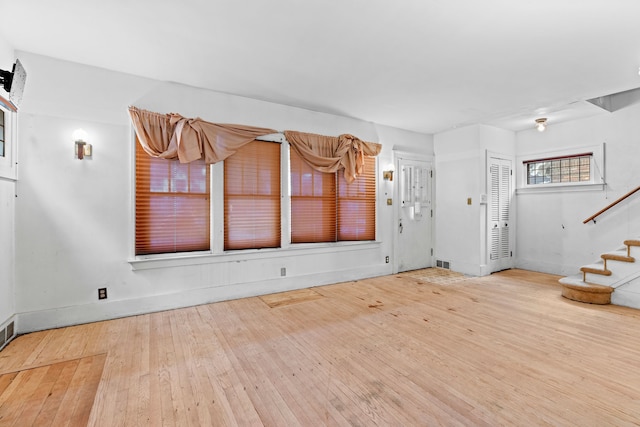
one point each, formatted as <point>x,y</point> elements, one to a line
<point>587,292</point>
<point>595,270</point>
<point>618,257</point>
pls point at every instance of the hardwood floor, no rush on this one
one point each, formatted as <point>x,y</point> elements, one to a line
<point>505,349</point>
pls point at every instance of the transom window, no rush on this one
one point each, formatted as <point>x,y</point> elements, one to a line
<point>558,170</point>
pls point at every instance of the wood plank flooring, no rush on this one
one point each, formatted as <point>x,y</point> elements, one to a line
<point>51,395</point>
<point>505,349</point>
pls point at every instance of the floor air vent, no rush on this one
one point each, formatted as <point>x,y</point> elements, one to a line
<point>442,264</point>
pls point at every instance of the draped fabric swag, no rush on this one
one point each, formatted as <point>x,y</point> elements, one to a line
<point>332,153</point>
<point>171,136</point>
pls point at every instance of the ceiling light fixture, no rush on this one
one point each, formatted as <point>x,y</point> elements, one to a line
<point>541,124</point>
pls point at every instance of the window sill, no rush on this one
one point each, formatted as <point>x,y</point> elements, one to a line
<point>562,188</point>
<point>199,258</point>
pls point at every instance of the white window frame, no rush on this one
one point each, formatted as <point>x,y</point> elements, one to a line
<point>8,162</point>
<point>597,170</point>
<point>217,254</point>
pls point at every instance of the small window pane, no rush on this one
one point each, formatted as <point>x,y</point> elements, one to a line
<point>158,171</point>
<point>198,183</point>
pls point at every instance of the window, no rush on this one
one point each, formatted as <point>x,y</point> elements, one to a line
<point>559,170</point>
<point>252,197</point>
<point>325,209</point>
<point>178,206</point>
<point>2,133</point>
<point>172,205</point>
<point>313,203</point>
<point>7,144</point>
<point>357,205</point>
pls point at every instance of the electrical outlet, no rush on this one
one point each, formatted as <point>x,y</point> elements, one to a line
<point>386,259</point>
<point>102,293</point>
<point>283,271</point>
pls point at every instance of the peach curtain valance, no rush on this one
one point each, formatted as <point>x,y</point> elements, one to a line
<point>171,136</point>
<point>332,153</point>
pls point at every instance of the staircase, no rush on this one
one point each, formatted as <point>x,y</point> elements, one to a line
<point>614,279</point>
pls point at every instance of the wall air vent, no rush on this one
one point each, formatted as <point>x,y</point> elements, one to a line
<point>6,334</point>
<point>442,264</point>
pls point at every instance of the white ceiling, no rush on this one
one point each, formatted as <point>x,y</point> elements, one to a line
<point>422,65</point>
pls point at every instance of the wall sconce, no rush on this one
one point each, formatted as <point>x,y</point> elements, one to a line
<point>541,124</point>
<point>82,148</point>
<point>387,175</point>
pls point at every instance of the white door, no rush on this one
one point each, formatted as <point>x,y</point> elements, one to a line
<point>415,213</point>
<point>499,215</point>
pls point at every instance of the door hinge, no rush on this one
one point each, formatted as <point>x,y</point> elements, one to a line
<point>431,174</point>
<point>511,253</point>
<point>511,172</point>
<point>431,251</point>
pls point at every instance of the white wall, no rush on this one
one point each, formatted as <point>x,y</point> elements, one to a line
<point>7,217</point>
<point>551,235</point>
<point>7,258</point>
<point>74,224</point>
<point>461,174</point>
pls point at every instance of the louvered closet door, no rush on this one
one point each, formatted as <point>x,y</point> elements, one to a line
<point>499,212</point>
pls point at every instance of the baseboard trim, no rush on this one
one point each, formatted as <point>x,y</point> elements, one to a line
<point>545,267</point>
<point>105,310</point>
